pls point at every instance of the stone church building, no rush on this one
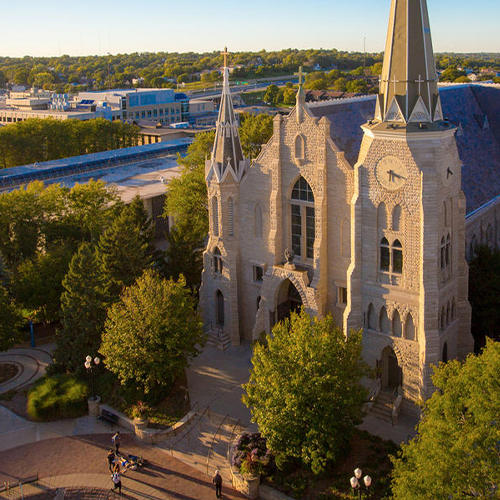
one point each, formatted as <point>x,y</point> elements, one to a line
<point>379,242</point>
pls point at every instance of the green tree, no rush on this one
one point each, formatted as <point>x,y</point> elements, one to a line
<point>123,253</point>
<point>451,74</point>
<point>152,332</point>
<point>304,390</point>
<point>340,84</point>
<point>356,86</point>
<point>271,93</point>
<point>457,449</point>
<point>10,321</point>
<point>83,310</point>
<point>255,131</point>
<point>38,283</point>
<point>289,96</point>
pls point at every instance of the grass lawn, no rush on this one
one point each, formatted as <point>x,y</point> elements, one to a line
<point>253,98</point>
<point>369,453</point>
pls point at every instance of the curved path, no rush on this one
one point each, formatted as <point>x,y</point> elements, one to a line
<point>31,362</point>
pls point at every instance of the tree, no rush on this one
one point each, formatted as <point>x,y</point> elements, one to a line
<point>122,253</point>
<point>255,131</point>
<point>152,332</point>
<point>10,321</point>
<point>457,449</point>
<point>304,391</point>
<point>83,310</point>
<point>484,294</point>
<point>340,84</point>
<point>356,86</point>
<point>271,94</point>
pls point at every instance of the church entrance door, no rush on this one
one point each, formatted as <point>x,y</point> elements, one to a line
<point>288,300</point>
<point>391,371</point>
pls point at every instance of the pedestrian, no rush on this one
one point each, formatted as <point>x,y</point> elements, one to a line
<point>111,459</point>
<point>217,480</point>
<point>117,482</point>
<point>116,440</point>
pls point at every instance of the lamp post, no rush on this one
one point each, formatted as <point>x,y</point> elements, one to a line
<point>91,364</point>
<point>356,483</point>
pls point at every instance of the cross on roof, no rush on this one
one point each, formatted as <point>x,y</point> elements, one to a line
<point>419,81</point>
<point>225,54</point>
<point>394,81</point>
<point>300,74</point>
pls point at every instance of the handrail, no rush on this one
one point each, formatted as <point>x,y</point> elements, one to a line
<point>213,439</point>
<point>206,410</point>
<point>233,435</point>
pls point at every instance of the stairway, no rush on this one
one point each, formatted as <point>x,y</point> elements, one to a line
<point>192,445</point>
<point>383,405</point>
<point>219,339</point>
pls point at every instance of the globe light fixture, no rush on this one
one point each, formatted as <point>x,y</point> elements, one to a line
<point>90,368</point>
<point>356,483</point>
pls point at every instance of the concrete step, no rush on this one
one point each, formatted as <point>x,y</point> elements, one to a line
<point>218,339</point>
<point>210,432</point>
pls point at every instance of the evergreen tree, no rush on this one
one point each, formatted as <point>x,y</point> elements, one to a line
<point>10,321</point>
<point>83,310</point>
<point>123,252</point>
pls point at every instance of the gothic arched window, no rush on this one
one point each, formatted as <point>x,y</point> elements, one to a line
<point>215,216</point>
<point>299,147</point>
<point>385,255</point>
<point>397,257</point>
<point>230,216</point>
<point>384,324</point>
<point>372,318</point>
<point>381,217</point>
<point>258,221</point>
<point>409,328</point>
<point>218,264</point>
<point>397,327</point>
<point>303,222</point>
<point>396,218</point>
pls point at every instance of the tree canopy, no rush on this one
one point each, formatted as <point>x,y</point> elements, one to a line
<point>152,332</point>
<point>304,391</point>
<point>456,453</point>
<point>10,321</point>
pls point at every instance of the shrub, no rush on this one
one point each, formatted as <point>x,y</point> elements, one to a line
<point>252,456</point>
<point>57,396</point>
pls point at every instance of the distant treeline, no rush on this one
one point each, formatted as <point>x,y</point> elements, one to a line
<point>38,140</point>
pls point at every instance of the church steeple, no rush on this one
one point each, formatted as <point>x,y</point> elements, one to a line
<point>408,85</point>
<point>227,154</point>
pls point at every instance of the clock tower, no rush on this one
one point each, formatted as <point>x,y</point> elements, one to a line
<point>407,281</point>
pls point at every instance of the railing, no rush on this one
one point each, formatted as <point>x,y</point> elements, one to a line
<point>396,409</point>
<point>230,442</point>
<point>206,410</point>
<point>9,485</point>
<point>209,452</point>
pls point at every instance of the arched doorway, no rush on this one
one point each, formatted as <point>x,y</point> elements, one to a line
<point>391,372</point>
<point>288,300</point>
<point>219,308</point>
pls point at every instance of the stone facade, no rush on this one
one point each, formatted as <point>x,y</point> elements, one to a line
<point>380,245</point>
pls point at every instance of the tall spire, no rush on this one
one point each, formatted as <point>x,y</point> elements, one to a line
<point>300,97</point>
<point>408,85</point>
<point>227,152</point>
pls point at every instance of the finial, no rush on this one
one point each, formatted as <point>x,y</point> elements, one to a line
<point>300,74</point>
<point>225,54</point>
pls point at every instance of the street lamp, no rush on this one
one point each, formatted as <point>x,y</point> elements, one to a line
<point>356,484</point>
<point>91,365</point>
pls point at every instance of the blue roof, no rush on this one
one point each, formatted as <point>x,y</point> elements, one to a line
<point>474,109</point>
<point>11,178</point>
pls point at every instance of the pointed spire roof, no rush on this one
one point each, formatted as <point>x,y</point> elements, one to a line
<point>227,151</point>
<point>408,85</point>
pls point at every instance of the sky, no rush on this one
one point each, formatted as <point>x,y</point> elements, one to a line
<point>99,27</point>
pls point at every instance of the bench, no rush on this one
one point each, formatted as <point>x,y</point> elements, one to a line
<point>108,417</point>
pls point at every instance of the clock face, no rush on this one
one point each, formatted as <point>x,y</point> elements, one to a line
<point>391,173</point>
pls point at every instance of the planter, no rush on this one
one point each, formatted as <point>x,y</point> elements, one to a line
<point>248,484</point>
<point>93,404</point>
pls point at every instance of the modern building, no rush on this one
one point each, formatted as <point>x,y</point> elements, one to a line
<point>368,223</point>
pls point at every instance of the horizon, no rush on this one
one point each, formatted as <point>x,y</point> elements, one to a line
<point>116,28</point>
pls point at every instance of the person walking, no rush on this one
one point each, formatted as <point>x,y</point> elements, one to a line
<point>117,481</point>
<point>116,440</point>
<point>217,480</point>
<point>111,460</point>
